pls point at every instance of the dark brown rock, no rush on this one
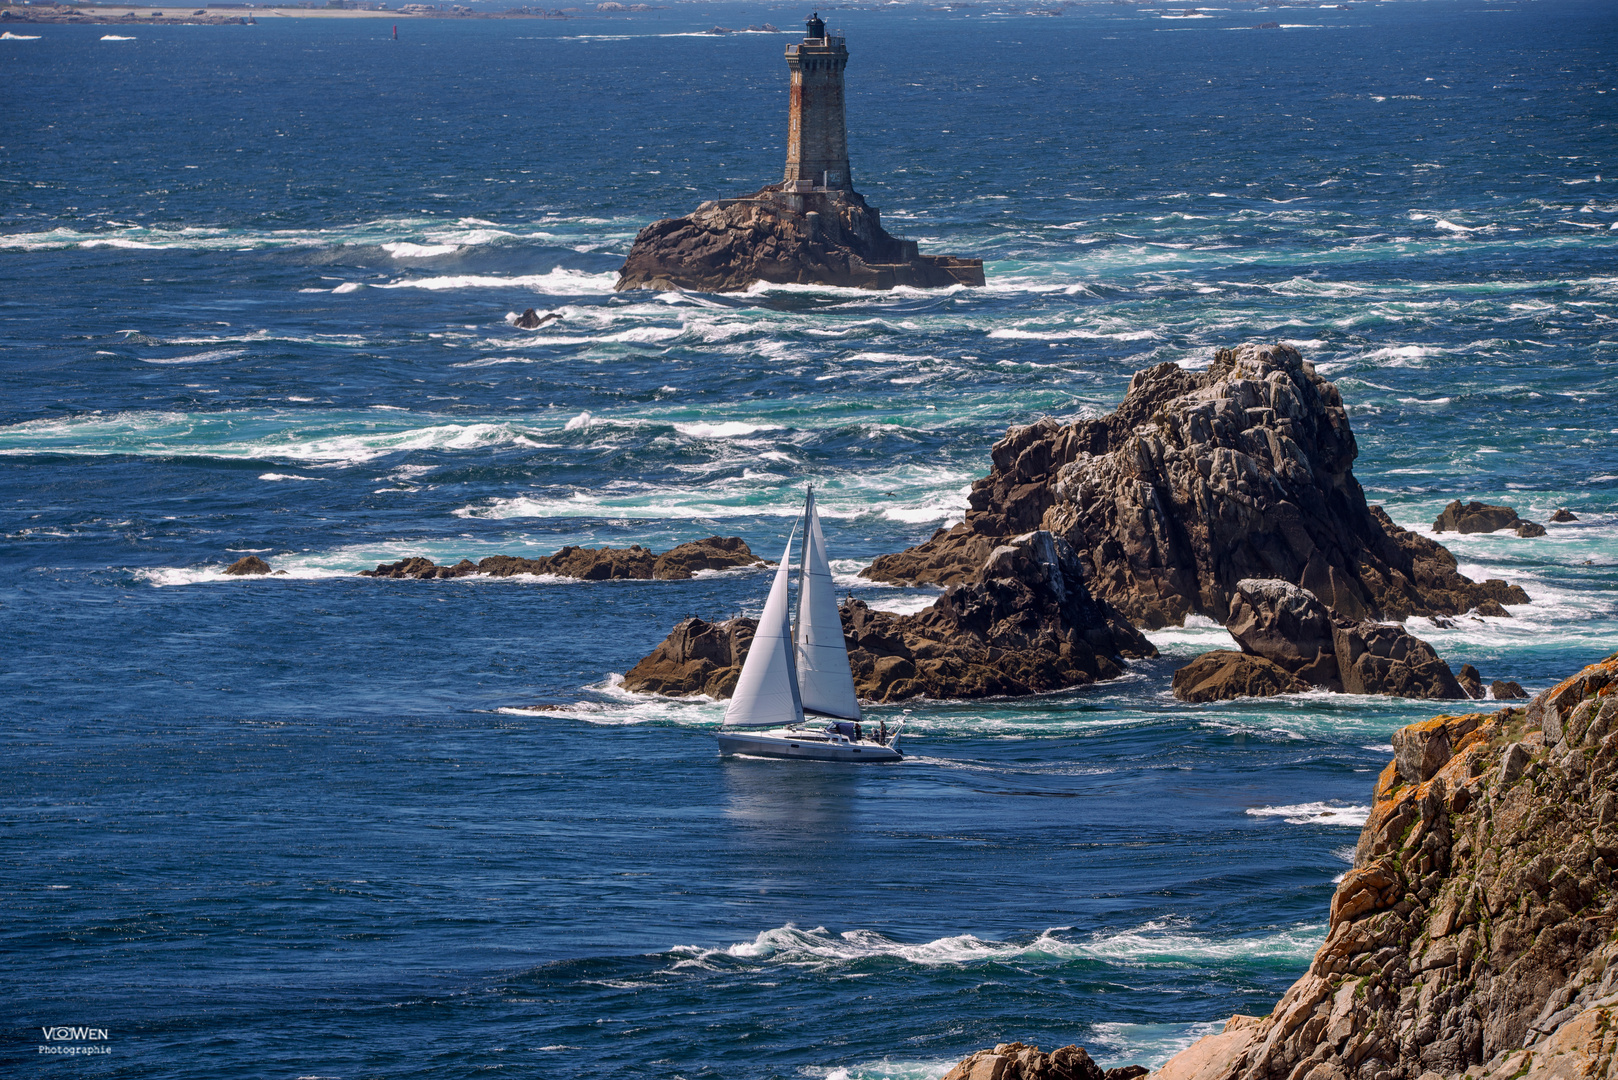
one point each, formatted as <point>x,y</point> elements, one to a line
<point>697,658</point>
<point>1287,626</point>
<point>533,320</point>
<point>248,564</point>
<point>1470,681</point>
<point>824,237</point>
<point>1474,934</point>
<point>1475,517</point>
<point>1563,514</point>
<point>1491,609</point>
<point>1028,627</point>
<point>1223,675</point>
<point>1292,629</point>
<point>1382,658</point>
<point>1529,529</point>
<point>1015,1061</point>
<point>591,564</point>
<point>1507,690</point>
<point>1197,481</point>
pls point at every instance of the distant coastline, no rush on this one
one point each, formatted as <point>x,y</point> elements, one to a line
<point>206,14</point>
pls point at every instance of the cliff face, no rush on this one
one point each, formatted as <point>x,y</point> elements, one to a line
<point>1475,935</point>
<point>823,237</point>
<point>1195,482</point>
<point>1027,626</point>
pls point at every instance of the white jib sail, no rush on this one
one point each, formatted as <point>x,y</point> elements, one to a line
<point>767,691</point>
<point>825,683</point>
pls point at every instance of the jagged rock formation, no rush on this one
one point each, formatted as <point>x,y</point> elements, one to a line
<point>820,237</point>
<point>1015,1061</point>
<point>590,564</point>
<point>1563,515</point>
<point>1196,481</point>
<point>248,564</point>
<point>1291,627</point>
<point>1475,934</point>
<point>1476,517</point>
<point>1028,626</point>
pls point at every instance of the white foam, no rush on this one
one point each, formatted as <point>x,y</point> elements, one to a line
<point>727,429</point>
<point>196,358</point>
<point>406,250</point>
<point>115,37</point>
<point>9,36</point>
<point>286,476</point>
<point>324,438</point>
<point>348,287</point>
<point>1314,813</point>
<point>903,603</point>
<point>1157,943</point>
<point>555,282</point>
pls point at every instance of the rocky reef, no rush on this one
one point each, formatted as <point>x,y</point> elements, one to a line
<point>1477,517</point>
<point>1014,1061</point>
<point>819,237</point>
<point>1283,628</point>
<point>589,564</point>
<point>1474,936</point>
<point>1025,625</point>
<point>1197,481</point>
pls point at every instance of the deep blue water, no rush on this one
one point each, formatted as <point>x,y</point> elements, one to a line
<point>254,297</point>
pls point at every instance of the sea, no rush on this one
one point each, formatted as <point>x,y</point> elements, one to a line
<point>257,285</point>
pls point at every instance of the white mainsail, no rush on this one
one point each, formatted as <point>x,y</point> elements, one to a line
<point>825,683</point>
<point>767,690</point>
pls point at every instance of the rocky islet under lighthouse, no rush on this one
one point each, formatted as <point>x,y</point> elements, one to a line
<point>812,228</point>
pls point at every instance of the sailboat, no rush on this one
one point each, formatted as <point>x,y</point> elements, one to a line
<point>792,672</point>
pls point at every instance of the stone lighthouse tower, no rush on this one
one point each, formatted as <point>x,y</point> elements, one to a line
<point>812,228</point>
<point>817,138</point>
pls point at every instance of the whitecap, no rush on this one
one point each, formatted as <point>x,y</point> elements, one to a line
<point>727,429</point>
<point>196,358</point>
<point>1314,813</point>
<point>405,250</point>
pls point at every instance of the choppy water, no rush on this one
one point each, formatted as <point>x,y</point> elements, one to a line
<point>253,298</point>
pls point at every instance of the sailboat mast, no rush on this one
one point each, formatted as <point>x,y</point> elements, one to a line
<point>800,613</point>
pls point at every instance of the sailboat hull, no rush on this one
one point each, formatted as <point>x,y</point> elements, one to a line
<point>807,745</point>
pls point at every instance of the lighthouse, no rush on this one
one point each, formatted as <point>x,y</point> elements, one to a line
<point>811,228</point>
<point>817,137</point>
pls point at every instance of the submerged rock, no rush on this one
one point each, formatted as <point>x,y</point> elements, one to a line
<point>1197,481</point>
<point>248,564</point>
<point>1028,626</point>
<point>1474,933</point>
<point>820,237</point>
<point>591,564</point>
<point>533,320</point>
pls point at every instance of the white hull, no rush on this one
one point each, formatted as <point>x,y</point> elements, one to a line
<point>812,745</point>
